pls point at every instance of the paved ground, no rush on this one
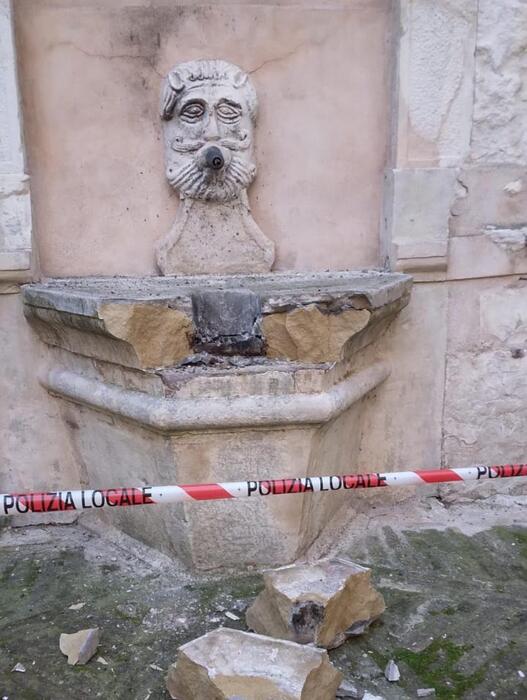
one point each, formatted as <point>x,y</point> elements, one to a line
<point>454,579</point>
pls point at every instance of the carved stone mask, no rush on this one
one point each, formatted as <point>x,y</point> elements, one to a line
<point>209,108</point>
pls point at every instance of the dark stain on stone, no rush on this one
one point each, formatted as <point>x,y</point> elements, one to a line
<point>227,322</point>
<point>306,618</point>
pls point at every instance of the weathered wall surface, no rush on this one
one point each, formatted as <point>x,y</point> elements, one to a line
<point>486,411</point>
<point>485,405</point>
<point>454,201</point>
<point>91,74</point>
<point>456,218</point>
<point>15,211</point>
<point>500,109</point>
<point>34,450</point>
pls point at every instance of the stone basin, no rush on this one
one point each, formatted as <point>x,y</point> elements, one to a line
<point>307,317</point>
<point>166,380</point>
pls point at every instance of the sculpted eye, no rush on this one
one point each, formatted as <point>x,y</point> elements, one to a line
<point>192,111</point>
<point>229,112</point>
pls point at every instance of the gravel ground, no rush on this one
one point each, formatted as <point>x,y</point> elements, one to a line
<point>453,572</point>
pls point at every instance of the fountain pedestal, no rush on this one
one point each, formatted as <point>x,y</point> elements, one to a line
<point>169,380</point>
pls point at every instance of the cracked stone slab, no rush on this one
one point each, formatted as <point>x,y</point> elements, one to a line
<point>322,603</point>
<point>278,291</point>
<point>227,664</point>
<point>158,322</point>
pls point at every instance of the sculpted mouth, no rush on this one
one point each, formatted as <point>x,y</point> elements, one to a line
<point>221,184</point>
<point>214,158</point>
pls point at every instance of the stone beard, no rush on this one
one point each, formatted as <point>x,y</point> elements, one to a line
<point>209,111</point>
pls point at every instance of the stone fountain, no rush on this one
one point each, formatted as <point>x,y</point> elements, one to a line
<point>219,369</point>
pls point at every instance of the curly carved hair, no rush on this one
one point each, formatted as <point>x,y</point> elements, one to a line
<point>185,75</point>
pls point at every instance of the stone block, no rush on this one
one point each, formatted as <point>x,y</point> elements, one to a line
<point>486,255</point>
<point>417,210</point>
<point>421,201</point>
<point>500,108</point>
<point>159,335</point>
<point>489,196</point>
<point>308,335</point>
<point>322,603</point>
<point>227,664</point>
<point>227,322</point>
<point>436,80</point>
<point>503,315</point>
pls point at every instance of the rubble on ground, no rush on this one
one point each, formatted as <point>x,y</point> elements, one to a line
<point>80,646</point>
<point>323,602</point>
<point>391,672</point>
<point>226,663</point>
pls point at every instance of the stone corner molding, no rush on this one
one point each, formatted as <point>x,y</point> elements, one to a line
<point>174,415</point>
<point>15,205</point>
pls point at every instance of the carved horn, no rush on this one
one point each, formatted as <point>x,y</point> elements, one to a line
<point>240,79</point>
<point>173,86</point>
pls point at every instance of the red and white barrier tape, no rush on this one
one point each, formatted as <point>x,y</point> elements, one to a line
<point>13,503</point>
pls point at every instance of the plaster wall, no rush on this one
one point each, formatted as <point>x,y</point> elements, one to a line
<point>90,74</point>
<point>34,450</point>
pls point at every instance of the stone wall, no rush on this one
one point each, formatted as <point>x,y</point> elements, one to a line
<point>456,216</point>
<point>446,127</point>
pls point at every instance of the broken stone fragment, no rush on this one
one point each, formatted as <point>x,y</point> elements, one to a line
<point>347,690</point>
<point>392,672</point>
<point>80,646</point>
<point>425,692</point>
<point>159,336</point>
<point>227,663</point>
<point>322,603</point>
<point>307,334</point>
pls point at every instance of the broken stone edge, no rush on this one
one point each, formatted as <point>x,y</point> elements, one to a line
<point>200,673</point>
<point>267,606</point>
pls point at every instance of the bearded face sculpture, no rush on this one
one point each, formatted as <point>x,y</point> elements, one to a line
<point>210,110</point>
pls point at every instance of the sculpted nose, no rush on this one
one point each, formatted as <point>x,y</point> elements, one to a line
<point>211,132</point>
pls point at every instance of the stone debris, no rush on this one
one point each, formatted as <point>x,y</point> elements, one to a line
<point>80,646</point>
<point>101,660</point>
<point>369,696</point>
<point>155,667</point>
<point>324,603</point>
<point>392,672</point>
<point>347,690</point>
<point>231,616</point>
<point>226,663</point>
<point>18,668</point>
<point>521,674</point>
<point>425,692</point>
<point>77,606</point>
